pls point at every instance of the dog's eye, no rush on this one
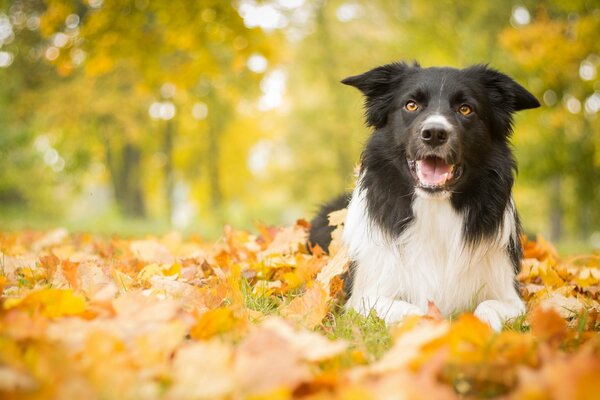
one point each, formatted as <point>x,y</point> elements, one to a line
<point>411,106</point>
<point>465,109</point>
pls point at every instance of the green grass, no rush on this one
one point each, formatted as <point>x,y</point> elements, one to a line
<point>369,335</point>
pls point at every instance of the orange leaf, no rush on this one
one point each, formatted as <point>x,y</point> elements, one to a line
<point>308,309</point>
<point>69,270</point>
<point>548,325</point>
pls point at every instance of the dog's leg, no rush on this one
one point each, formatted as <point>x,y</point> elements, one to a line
<point>496,312</point>
<point>387,308</point>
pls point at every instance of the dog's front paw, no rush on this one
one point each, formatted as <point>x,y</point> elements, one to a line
<point>495,312</point>
<point>398,310</point>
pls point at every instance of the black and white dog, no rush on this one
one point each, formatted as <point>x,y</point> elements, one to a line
<point>431,217</point>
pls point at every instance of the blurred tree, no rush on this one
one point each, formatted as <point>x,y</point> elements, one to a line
<point>119,56</point>
<point>166,100</point>
<point>560,49</point>
<point>23,160</point>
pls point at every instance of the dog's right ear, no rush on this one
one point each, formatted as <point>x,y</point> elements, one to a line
<point>378,87</point>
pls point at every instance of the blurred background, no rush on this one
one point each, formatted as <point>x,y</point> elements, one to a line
<point>142,116</point>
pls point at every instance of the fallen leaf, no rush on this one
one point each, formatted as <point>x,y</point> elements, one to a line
<point>51,303</point>
<point>202,370</point>
<point>151,251</point>
<point>548,325</point>
<point>310,308</point>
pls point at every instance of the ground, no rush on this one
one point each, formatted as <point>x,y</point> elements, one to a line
<point>257,316</point>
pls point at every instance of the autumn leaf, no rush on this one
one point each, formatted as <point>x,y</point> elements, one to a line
<point>145,319</point>
<point>548,325</point>
<point>310,308</point>
<point>49,302</point>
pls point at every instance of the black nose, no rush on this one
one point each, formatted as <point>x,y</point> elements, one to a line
<point>434,134</point>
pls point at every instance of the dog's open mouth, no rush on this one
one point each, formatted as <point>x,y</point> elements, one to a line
<point>434,172</point>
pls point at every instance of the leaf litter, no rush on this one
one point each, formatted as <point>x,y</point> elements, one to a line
<point>259,316</point>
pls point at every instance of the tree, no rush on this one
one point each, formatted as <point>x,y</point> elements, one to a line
<point>559,48</point>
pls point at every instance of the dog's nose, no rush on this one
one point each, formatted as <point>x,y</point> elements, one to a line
<point>434,134</point>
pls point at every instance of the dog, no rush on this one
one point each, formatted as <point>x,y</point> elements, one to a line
<point>431,218</point>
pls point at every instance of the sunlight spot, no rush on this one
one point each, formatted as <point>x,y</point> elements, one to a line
<point>259,155</point>
<point>290,4</point>
<point>520,16</point>
<point>162,110</point>
<point>95,3</point>
<point>592,104</point>
<point>6,59</point>
<point>6,31</point>
<point>33,23</point>
<point>77,56</point>
<point>167,90</point>
<point>265,16</point>
<point>257,63</point>
<point>60,39</point>
<point>41,143</point>
<point>72,21</point>
<point>199,111</point>
<point>59,165</point>
<point>51,156</point>
<point>587,70</point>
<point>572,104</point>
<point>273,87</point>
<point>347,12</point>
<point>52,53</point>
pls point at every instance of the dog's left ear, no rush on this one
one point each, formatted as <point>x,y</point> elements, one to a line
<point>503,91</point>
<point>378,87</point>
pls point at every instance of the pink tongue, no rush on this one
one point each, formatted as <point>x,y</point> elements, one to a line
<point>433,171</point>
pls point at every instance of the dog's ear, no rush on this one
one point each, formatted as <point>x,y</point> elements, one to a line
<point>378,87</point>
<point>503,91</point>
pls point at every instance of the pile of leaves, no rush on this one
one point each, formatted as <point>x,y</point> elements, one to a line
<point>258,316</point>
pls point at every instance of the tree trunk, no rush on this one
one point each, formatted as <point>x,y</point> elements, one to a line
<point>125,175</point>
<point>168,168</point>
<point>214,171</point>
<point>217,121</point>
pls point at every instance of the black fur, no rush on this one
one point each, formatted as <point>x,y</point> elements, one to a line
<point>479,143</point>
<point>320,231</point>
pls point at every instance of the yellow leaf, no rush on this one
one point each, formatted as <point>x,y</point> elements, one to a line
<point>213,322</point>
<point>50,302</point>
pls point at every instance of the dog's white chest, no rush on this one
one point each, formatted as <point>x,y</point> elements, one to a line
<point>428,262</point>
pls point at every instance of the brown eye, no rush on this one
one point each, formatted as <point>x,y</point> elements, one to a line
<point>411,106</point>
<point>465,109</point>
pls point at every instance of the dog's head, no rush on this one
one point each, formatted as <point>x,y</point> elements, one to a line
<point>445,122</point>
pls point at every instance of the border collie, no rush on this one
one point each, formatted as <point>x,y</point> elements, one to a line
<point>431,217</point>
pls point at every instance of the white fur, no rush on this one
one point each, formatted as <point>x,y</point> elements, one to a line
<point>429,261</point>
<point>438,119</point>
